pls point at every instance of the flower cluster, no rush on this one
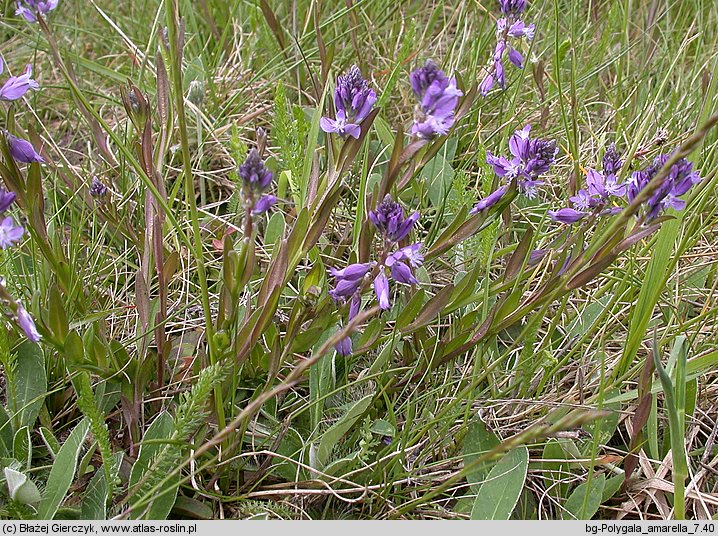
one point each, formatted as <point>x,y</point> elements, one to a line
<point>508,26</point>
<point>530,158</point>
<point>256,179</point>
<point>602,187</point>
<point>438,97</point>
<point>681,177</point>
<point>353,100</point>
<point>30,9</point>
<point>97,189</point>
<point>389,220</point>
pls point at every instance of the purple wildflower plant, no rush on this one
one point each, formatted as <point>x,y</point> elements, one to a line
<point>15,87</point>
<point>397,265</point>
<point>30,9</point>
<point>353,100</point>
<point>438,98</point>
<point>531,158</point>
<point>256,178</point>
<point>680,179</point>
<point>508,27</point>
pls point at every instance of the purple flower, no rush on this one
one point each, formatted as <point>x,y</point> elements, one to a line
<point>16,86</point>
<point>512,7</point>
<point>381,288</point>
<point>348,280</point>
<point>583,200</point>
<point>612,162</point>
<point>27,324</point>
<point>353,100</point>
<point>509,26</point>
<point>10,234</point>
<point>680,179</point>
<point>490,200</point>
<point>30,8</point>
<point>344,347</point>
<point>22,150</point>
<point>6,199</point>
<point>411,254</point>
<point>254,173</point>
<point>532,157</point>
<point>264,203</point>
<point>604,186</point>
<point>389,219</point>
<point>97,189</point>
<point>401,273</point>
<point>566,215</point>
<point>536,255</point>
<point>438,96</point>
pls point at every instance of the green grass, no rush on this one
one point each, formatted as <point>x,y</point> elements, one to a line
<point>281,427</point>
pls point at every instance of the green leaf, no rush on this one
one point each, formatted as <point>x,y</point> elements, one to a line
<point>161,429</point>
<point>62,472</point>
<point>613,484</point>
<point>479,440</point>
<point>500,491</point>
<point>586,499</point>
<point>336,432</point>
<point>409,311</point>
<point>30,384</point>
<point>275,228</point>
<point>554,453</point>
<point>6,435</point>
<point>94,502</point>
<point>22,447</point>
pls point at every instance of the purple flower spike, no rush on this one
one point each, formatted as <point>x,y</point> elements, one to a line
<point>681,178</point>
<point>612,162</point>
<point>254,173</point>
<point>22,150</point>
<point>566,215</point>
<point>438,96</point>
<point>532,157</point>
<point>27,324</point>
<point>490,200</point>
<point>353,100</point>
<point>512,7</point>
<point>29,9</point>
<point>15,87</point>
<point>10,234</point>
<point>507,27</point>
<point>265,202</point>
<point>97,189</point>
<point>389,219</point>
<point>381,288</point>
<point>6,199</point>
